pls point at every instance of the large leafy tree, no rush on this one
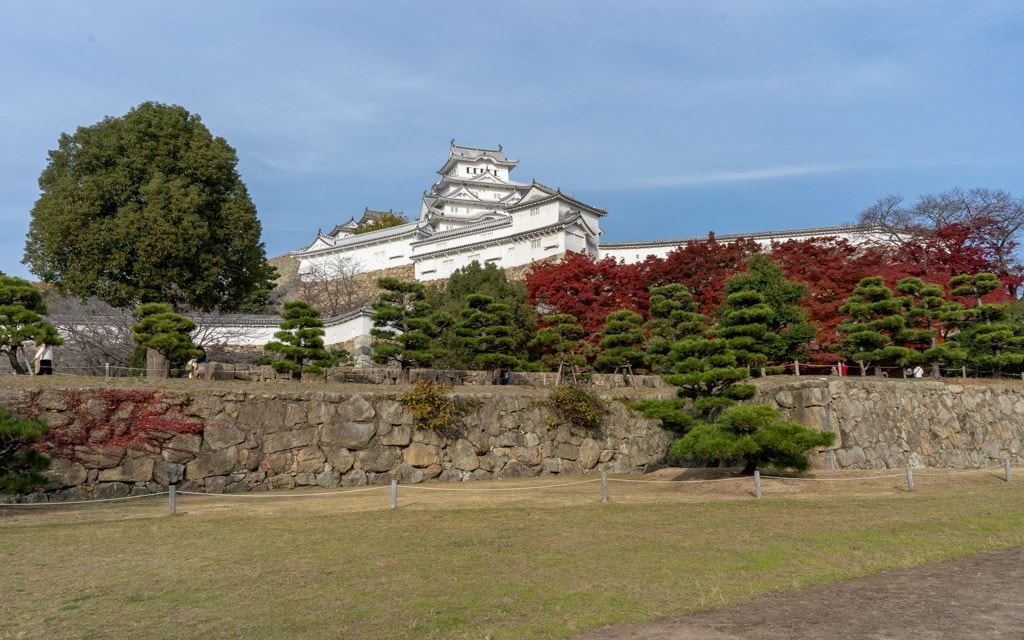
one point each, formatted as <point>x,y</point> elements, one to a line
<point>451,301</point>
<point>954,232</point>
<point>830,268</point>
<point>21,319</point>
<point>148,207</point>
<point>587,289</point>
<point>702,266</point>
<point>300,342</point>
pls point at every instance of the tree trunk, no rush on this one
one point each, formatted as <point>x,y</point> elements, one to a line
<point>12,355</point>
<point>156,364</point>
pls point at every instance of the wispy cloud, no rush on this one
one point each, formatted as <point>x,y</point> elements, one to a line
<point>738,175</point>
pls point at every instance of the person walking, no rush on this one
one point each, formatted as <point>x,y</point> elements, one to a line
<point>44,359</point>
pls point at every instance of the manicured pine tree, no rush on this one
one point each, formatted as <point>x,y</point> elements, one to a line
<point>744,327</point>
<point>300,342</point>
<point>758,435</point>
<point>165,335</point>
<point>788,320</point>
<point>449,301</point>
<point>405,326</point>
<point>484,333</point>
<point>928,317</point>
<point>673,316</point>
<point>875,320</point>
<point>20,464</point>
<point>560,343</point>
<point>987,336</point>
<point>707,378</point>
<point>21,319</point>
<point>622,343</point>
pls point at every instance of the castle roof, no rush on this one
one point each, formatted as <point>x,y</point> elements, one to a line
<point>457,153</point>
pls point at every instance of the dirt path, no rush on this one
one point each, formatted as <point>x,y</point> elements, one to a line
<point>981,597</point>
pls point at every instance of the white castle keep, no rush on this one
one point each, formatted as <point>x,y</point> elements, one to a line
<point>476,212</point>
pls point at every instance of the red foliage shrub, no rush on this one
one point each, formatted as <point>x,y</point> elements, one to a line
<point>136,419</point>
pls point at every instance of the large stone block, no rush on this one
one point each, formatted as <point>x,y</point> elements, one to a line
<point>355,409</point>
<point>515,470</point>
<point>399,435</point>
<point>291,439</point>
<point>131,469</point>
<point>347,435</point>
<point>309,460</point>
<point>418,454</point>
<point>341,459</point>
<point>590,453</point>
<point>213,463</point>
<point>65,473</point>
<point>220,436</point>
<point>379,459</point>
<point>168,473</point>
<point>464,456</point>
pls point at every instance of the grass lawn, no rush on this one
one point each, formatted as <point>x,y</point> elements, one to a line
<point>481,562</point>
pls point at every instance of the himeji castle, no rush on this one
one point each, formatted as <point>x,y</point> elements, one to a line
<point>477,212</point>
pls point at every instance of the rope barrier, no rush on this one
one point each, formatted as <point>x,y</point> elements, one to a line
<point>485,490</point>
<point>259,495</point>
<point>78,502</point>
<point>604,479</point>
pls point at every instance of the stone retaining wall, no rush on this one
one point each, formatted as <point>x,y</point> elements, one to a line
<point>881,424</point>
<point>304,437</point>
<point>258,441</point>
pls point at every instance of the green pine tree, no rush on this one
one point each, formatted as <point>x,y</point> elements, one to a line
<point>165,335</point>
<point>988,338</point>
<point>300,342</point>
<point>484,332</point>
<point>20,463</point>
<point>21,320</point>
<point>622,343</point>
<point>874,326</point>
<point>405,326</point>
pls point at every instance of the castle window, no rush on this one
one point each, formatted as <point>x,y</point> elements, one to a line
<point>535,244</point>
<point>534,211</point>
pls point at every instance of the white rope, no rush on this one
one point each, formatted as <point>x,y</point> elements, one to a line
<point>679,481</point>
<point>74,502</point>
<point>548,486</point>
<point>259,495</point>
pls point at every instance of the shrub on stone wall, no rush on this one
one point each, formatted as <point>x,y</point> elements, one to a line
<point>576,406</point>
<point>431,405</point>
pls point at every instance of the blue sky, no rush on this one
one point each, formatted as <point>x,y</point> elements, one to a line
<point>678,117</point>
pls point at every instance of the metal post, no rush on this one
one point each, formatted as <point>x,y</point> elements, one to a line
<point>1006,464</point>
<point>394,493</point>
<point>604,487</point>
<point>796,366</point>
<point>106,369</point>
<point>172,493</point>
<point>910,479</point>
<point>757,483</point>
